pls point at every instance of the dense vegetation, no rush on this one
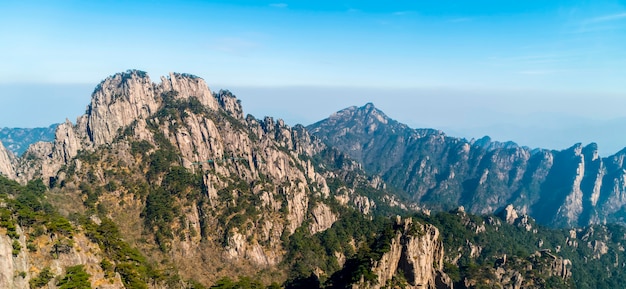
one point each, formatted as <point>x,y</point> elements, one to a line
<point>590,267</point>
<point>27,207</point>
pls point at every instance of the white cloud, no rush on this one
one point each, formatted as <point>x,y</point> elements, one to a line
<point>606,18</point>
<point>279,5</point>
<point>402,13</point>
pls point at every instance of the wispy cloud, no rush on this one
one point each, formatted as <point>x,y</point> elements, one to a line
<point>279,5</point>
<point>536,58</point>
<point>600,23</point>
<point>606,18</point>
<point>460,19</point>
<point>538,72</point>
<point>402,13</point>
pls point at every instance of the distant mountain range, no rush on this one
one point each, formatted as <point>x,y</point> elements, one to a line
<point>17,140</point>
<point>572,187</point>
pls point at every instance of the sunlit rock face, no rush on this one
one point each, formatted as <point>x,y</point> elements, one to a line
<point>6,162</point>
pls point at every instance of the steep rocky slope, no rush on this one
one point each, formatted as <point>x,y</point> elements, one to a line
<point>6,162</point>
<point>169,185</point>
<point>560,188</point>
<point>192,182</point>
<point>415,254</point>
<point>38,246</point>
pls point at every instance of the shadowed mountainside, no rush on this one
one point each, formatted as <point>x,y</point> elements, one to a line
<point>571,187</point>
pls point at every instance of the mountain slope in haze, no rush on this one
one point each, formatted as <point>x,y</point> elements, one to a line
<point>572,187</point>
<point>17,140</point>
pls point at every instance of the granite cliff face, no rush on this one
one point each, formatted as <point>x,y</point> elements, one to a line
<point>416,252</point>
<point>180,164</point>
<point>18,267</point>
<point>560,188</point>
<point>6,162</point>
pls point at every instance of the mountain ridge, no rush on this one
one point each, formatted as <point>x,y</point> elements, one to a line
<point>181,168</point>
<point>482,175</point>
<point>202,194</point>
<point>17,140</point>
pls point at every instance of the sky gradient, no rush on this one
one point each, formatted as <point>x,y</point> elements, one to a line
<point>526,71</point>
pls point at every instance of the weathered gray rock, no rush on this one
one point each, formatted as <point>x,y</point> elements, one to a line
<point>323,218</point>
<point>117,102</point>
<point>558,266</point>
<point>6,163</point>
<point>28,264</point>
<point>240,160</point>
<point>417,252</point>
<point>509,214</point>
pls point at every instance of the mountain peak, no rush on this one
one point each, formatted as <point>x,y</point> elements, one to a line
<point>367,114</point>
<point>368,106</point>
<point>125,97</point>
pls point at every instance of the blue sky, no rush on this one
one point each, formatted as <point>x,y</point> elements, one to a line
<point>504,68</point>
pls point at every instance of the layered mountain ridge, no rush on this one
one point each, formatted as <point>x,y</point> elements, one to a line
<point>169,185</point>
<point>180,165</point>
<point>17,140</point>
<point>572,187</point>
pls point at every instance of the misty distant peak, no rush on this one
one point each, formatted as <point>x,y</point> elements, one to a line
<point>367,113</point>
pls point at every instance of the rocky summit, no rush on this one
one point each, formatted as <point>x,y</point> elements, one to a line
<point>171,185</point>
<point>180,166</point>
<point>572,187</point>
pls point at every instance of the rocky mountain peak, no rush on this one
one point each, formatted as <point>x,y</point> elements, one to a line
<point>230,104</point>
<point>119,101</point>
<point>125,97</point>
<point>487,143</point>
<point>368,113</point>
<point>574,186</point>
<point>116,102</point>
<point>591,151</point>
<point>189,85</point>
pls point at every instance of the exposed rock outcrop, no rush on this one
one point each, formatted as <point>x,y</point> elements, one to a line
<point>6,162</point>
<point>516,273</point>
<point>416,251</point>
<point>557,266</point>
<point>257,179</point>
<point>509,214</point>
<point>18,267</point>
<point>323,218</point>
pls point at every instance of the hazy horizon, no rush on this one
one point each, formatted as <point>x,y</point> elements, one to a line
<point>533,121</point>
<point>541,73</point>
